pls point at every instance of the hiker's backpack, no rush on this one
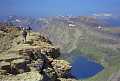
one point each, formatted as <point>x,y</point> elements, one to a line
<point>24,33</point>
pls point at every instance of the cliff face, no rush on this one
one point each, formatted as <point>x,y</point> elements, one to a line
<point>35,60</point>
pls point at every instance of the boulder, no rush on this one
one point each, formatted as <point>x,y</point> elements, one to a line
<point>44,39</point>
<point>38,64</point>
<point>49,75</point>
<point>4,67</point>
<point>61,67</point>
<point>53,52</point>
<point>15,67</point>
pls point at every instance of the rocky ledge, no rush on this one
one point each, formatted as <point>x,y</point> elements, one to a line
<point>35,60</point>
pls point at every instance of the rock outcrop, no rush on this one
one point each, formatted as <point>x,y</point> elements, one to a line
<point>37,56</point>
<point>61,67</point>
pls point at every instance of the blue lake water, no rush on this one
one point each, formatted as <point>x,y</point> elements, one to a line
<point>83,68</point>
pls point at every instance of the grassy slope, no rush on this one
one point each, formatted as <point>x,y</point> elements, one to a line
<point>99,46</point>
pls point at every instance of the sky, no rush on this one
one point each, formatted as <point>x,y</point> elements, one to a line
<point>58,7</point>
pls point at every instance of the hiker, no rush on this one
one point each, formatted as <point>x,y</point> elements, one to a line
<point>29,29</point>
<point>21,27</point>
<point>24,34</point>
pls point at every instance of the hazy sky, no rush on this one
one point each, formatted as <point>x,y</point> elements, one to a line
<point>58,7</point>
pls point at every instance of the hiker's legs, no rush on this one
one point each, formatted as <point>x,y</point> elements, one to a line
<point>25,39</point>
<point>29,32</point>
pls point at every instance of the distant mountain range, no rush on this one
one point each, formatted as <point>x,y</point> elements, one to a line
<point>93,21</point>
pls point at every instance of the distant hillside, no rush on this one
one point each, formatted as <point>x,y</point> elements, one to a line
<point>83,39</point>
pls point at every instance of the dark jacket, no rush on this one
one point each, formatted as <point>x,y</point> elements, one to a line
<point>24,33</point>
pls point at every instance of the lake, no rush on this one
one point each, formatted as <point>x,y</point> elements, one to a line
<point>83,68</point>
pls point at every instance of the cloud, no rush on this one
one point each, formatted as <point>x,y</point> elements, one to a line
<point>103,14</point>
<point>17,20</point>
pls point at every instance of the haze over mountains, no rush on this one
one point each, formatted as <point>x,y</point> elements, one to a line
<point>95,20</point>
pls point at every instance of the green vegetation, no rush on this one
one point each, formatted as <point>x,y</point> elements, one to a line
<point>100,46</point>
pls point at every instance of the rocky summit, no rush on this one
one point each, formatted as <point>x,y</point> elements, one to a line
<point>34,60</point>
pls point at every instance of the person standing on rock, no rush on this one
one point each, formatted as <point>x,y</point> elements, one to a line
<point>29,29</point>
<point>24,34</point>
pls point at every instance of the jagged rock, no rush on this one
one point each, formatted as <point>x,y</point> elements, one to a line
<point>7,36</point>
<point>38,55</point>
<point>44,39</point>
<point>39,39</point>
<point>32,52</point>
<point>62,67</point>
<point>53,52</point>
<point>9,57</point>
<point>38,64</point>
<point>20,65</point>
<point>29,76</point>
<point>49,75</point>
<point>4,65</point>
<point>14,67</point>
<point>3,72</point>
